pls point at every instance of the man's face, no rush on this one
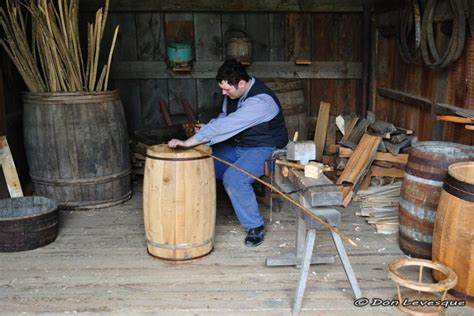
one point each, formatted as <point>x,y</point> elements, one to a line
<point>231,91</point>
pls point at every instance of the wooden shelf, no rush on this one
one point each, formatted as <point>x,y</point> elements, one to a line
<point>207,70</point>
<point>411,99</point>
<point>227,6</point>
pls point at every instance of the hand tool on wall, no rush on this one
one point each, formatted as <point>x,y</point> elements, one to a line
<point>188,110</point>
<point>166,114</point>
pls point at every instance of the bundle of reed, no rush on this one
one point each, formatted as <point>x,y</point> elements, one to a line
<point>52,61</point>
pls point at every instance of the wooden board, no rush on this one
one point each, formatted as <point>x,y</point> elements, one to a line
<point>257,26</point>
<point>209,98</point>
<point>208,40</point>
<point>321,129</point>
<point>233,5</point>
<point>151,39</point>
<point>358,165</point>
<point>277,23</point>
<point>401,158</point>
<point>178,89</point>
<point>207,70</point>
<point>130,95</point>
<point>151,93</point>
<point>348,94</point>
<point>377,171</point>
<point>179,27</point>
<point>299,36</point>
<point>126,46</point>
<point>325,195</point>
<point>9,170</point>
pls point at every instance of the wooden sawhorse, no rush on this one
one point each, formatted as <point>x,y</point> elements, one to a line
<point>306,228</point>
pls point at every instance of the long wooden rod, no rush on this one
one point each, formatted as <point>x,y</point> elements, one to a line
<point>285,196</point>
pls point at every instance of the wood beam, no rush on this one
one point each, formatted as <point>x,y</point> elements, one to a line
<point>404,97</point>
<point>227,6</point>
<point>207,70</point>
<point>439,108</point>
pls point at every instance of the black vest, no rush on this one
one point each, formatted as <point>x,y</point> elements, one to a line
<point>267,134</point>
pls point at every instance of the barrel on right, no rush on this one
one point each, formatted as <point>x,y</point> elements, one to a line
<point>453,236</point>
<point>425,172</point>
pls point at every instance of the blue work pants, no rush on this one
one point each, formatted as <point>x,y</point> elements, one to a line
<point>237,184</point>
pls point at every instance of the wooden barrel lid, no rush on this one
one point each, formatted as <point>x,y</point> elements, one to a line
<point>163,152</point>
<point>463,171</point>
<point>460,180</point>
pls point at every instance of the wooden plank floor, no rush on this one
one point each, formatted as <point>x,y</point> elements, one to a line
<point>99,264</point>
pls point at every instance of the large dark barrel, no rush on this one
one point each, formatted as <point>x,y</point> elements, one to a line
<point>453,237</point>
<point>27,223</point>
<point>77,148</point>
<point>421,188</point>
<point>291,95</point>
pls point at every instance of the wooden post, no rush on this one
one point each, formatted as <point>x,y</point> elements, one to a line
<point>9,170</point>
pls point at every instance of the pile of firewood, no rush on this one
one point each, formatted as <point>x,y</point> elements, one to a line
<point>369,152</point>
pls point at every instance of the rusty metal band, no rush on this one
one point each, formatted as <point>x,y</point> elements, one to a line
<point>180,259</point>
<point>81,181</point>
<point>456,41</point>
<point>177,246</point>
<point>414,235</point>
<point>410,8</point>
<point>459,189</point>
<point>177,159</point>
<point>426,175</point>
<point>432,162</point>
<point>415,248</point>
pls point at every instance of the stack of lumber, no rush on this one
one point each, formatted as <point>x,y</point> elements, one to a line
<point>370,152</point>
<point>379,205</point>
<point>394,139</point>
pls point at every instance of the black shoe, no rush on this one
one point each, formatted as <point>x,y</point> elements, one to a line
<point>255,236</point>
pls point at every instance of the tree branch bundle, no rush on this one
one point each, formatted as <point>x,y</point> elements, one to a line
<point>52,61</point>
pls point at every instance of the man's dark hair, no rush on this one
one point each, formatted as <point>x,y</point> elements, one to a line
<point>232,71</point>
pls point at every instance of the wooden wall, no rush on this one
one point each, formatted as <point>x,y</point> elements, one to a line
<point>453,85</point>
<point>331,40</point>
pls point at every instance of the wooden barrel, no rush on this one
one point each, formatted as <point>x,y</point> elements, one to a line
<point>291,95</point>
<point>27,223</point>
<point>425,171</point>
<point>179,203</point>
<point>453,236</point>
<point>77,148</point>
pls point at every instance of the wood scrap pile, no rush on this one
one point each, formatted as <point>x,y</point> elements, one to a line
<point>379,205</point>
<point>369,151</point>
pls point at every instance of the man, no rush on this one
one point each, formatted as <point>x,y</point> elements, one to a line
<point>249,129</point>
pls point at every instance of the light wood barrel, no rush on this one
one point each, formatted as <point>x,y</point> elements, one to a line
<point>421,188</point>
<point>179,202</point>
<point>453,237</point>
<point>291,96</point>
<point>77,148</point>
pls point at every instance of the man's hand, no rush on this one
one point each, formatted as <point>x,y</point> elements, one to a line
<point>175,143</point>
<point>190,142</point>
<point>197,127</point>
